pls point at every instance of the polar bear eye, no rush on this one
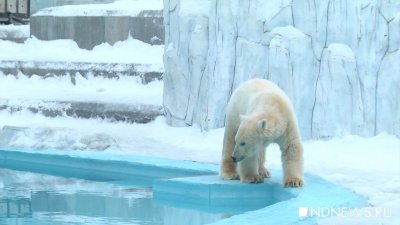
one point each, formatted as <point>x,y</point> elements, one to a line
<point>242,143</point>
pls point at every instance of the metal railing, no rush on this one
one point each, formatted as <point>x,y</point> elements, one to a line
<point>14,11</point>
<point>15,208</point>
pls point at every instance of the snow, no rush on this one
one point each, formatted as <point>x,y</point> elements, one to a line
<point>129,51</point>
<point>270,48</point>
<point>14,31</point>
<point>368,166</point>
<point>23,91</point>
<point>118,8</point>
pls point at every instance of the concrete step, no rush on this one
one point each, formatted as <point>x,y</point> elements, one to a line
<point>113,112</point>
<point>145,72</point>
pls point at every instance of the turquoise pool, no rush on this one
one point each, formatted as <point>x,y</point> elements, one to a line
<point>113,189</point>
<point>37,199</point>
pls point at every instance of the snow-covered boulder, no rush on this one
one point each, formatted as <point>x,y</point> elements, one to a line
<point>335,59</point>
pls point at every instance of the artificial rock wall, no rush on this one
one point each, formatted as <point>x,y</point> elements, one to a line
<point>338,60</point>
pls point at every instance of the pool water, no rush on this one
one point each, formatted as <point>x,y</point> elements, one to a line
<point>28,198</point>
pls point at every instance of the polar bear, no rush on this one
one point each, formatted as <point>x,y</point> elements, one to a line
<point>260,113</point>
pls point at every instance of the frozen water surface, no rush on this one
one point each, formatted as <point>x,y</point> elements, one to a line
<point>29,198</point>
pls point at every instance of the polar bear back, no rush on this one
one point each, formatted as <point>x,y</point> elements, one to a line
<point>257,93</point>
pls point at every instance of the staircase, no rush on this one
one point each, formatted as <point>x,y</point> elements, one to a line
<point>128,92</point>
<point>57,79</point>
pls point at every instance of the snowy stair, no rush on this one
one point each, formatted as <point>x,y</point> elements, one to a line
<point>118,83</point>
<point>115,99</point>
<point>140,113</point>
<point>41,103</point>
<point>144,72</point>
<point>115,92</point>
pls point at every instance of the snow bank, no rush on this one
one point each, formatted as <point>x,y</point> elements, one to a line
<point>14,31</point>
<point>118,8</point>
<point>129,51</point>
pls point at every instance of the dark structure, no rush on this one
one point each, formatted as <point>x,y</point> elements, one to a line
<point>14,11</point>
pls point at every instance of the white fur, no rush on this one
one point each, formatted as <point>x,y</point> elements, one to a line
<point>260,113</point>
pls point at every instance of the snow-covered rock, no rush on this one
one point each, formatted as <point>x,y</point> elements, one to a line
<point>293,70</point>
<point>388,94</point>
<point>335,59</point>
<point>338,105</point>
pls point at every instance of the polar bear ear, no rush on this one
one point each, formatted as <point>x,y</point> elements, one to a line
<point>263,124</point>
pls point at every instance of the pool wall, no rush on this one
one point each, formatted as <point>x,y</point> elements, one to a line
<point>191,184</point>
<point>101,166</point>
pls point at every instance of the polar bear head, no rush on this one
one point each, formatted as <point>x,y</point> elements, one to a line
<point>255,133</point>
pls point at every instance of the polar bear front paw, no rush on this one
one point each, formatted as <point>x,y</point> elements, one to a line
<point>264,173</point>
<point>229,176</point>
<point>252,179</point>
<point>293,182</point>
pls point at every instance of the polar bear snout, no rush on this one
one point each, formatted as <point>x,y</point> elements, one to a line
<point>236,156</point>
<point>237,159</point>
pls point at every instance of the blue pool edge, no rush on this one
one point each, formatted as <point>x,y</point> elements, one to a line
<point>160,173</point>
